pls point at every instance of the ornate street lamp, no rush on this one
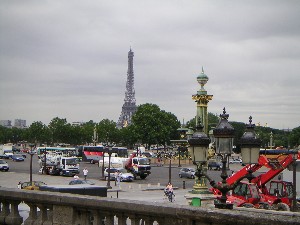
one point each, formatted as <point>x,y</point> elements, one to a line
<point>250,144</point>
<point>198,148</point>
<point>223,134</point>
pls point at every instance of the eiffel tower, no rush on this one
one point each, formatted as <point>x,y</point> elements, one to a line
<point>129,106</point>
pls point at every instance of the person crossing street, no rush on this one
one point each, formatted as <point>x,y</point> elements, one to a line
<point>85,173</point>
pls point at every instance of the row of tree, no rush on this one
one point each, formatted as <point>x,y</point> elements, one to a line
<point>150,126</point>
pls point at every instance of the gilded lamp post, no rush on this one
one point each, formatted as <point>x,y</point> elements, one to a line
<point>202,99</point>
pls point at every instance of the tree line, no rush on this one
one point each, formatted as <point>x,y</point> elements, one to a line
<point>150,126</point>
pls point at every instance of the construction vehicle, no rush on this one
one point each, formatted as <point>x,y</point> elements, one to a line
<point>139,166</point>
<point>56,164</point>
<point>277,195</point>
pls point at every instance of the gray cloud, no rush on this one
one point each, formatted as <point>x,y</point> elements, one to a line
<point>69,59</point>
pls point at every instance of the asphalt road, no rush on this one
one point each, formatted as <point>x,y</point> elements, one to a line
<point>158,174</point>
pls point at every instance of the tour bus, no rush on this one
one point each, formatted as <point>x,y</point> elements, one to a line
<point>57,150</point>
<point>93,154</point>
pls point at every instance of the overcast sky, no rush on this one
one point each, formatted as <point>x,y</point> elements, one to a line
<point>68,59</point>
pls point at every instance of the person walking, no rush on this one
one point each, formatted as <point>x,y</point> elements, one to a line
<point>85,172</point>
<point>118,178</point>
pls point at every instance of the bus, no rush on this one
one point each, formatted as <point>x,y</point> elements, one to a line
<point>57,150</point>
<point>120,152</point>
<point>91,154</point>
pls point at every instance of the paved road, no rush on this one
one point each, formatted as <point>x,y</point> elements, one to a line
<point>158,174</point>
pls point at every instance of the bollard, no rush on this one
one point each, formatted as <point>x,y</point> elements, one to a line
<point>117,194</point>
<point>183,184</point>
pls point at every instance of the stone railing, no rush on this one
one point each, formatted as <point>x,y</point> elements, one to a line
<point>49,208</point>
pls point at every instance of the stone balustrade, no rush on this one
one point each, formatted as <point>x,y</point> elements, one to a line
<point>51,208</point>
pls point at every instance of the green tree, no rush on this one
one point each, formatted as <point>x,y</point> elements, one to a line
<point>108,132</point>
<point>87,132</point>
<point>59,129</point>
<point>212,121</point>
<point>295,137</point>
<point>38,133</point>
<point>151,125</point>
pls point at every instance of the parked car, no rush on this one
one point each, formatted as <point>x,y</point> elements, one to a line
<point>3,165</point>
<point>231,161</point>
<point>214,165</point>
<point>20,153</point>
<point>74,182</point>
<point>125,175</point>
<point>187,172</point>
<point>17,158</point>
<point>35,185</point>
<point>4,157</point>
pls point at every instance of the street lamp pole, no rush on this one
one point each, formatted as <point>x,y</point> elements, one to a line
<point>31,155</point>
<point>294,205</point>
<point>108,178</point>
<point>170,169</point>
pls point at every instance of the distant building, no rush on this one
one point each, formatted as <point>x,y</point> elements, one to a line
<point>77,123</point>
<point>20,123</point>
<point>6,123</point>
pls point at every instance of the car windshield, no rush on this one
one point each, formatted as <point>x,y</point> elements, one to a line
<point>2,162</point>
<point>18,156</point>
<point>144,161</point>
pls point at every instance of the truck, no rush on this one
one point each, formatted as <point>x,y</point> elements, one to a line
<point>262,191</point>
<point>138,165</point>
<point>6,151</point>
<point>56,164</point>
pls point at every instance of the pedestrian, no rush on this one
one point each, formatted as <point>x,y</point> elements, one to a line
<point>118,178</point>
<point>85,172</point>
<point>19,185</point>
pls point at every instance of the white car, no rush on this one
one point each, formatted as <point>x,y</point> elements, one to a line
<point>3,165</point>
<point>231,161</point>
<point>125,176</point>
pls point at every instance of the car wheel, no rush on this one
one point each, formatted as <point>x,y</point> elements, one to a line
<point>193,177</point>
<point>180,175</point>
<point>92,161</point>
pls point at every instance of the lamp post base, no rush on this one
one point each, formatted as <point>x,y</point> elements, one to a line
<point>220,205</point>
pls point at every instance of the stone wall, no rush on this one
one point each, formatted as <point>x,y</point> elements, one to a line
<point>70,209</point>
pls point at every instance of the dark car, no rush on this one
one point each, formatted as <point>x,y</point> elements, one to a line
<point>4,157</point>
<point>187,172</point>
<point>74,182</point>
<point>17,158</point>
<point>214,165</point>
